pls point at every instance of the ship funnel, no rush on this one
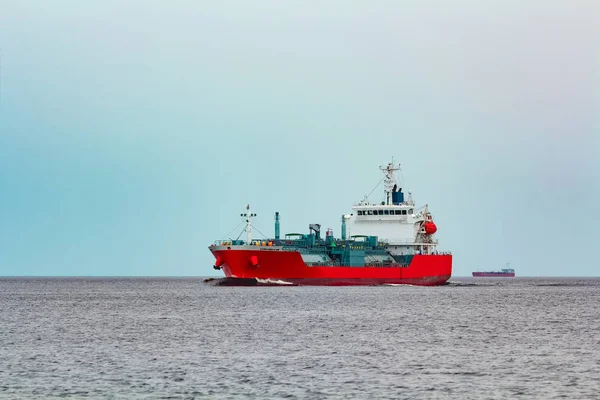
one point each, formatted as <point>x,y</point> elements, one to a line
<point>397,196</point>
<point>343,227</point>
<point>277,225</point>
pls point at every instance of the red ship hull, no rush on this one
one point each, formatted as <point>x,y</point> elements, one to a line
<point>493,275</point>
<point>288,267</point>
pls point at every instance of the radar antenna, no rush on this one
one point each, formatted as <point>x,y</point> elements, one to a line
<point>389,180</point>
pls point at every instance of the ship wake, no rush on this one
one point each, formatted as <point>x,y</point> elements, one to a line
<point>247,282</point>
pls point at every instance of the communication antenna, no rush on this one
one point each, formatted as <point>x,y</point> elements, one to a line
<point>248,215</point>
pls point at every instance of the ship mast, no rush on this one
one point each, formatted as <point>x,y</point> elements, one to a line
<point>248,216</point>
<point>389,180</point>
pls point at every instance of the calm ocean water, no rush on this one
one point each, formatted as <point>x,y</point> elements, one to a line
<point>183,338</point>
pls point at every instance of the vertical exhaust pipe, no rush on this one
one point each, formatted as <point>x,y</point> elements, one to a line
<point>277,225</point>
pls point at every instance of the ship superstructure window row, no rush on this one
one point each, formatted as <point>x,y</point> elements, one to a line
<point>384,212</point>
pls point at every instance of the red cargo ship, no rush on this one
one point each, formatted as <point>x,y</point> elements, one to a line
<point>503,273</point>
<point>390,242</point>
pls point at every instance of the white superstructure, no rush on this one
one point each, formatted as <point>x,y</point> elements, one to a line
<point>405,229</point>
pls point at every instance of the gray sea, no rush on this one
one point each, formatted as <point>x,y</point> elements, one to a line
<point>182,338</point>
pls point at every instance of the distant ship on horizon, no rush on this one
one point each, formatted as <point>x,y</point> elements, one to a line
<point>503,273</point>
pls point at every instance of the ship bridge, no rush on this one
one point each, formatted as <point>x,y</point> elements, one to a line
<point>395,221</point>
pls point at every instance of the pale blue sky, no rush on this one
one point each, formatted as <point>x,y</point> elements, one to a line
<point>133,133</point>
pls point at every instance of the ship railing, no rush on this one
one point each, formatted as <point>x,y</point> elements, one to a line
<point>227,242</point>
<point>327,264</point>
<point>401,242</point>
<point>385,265</point>
<point>372,265</point>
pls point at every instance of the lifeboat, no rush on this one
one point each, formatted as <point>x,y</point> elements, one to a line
<point>429,227</point>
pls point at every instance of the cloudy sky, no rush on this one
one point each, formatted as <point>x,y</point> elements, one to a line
<point>133,133</point>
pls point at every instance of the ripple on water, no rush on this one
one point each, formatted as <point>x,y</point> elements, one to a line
<point>183,338</point>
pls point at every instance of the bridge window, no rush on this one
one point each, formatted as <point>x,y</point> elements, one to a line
<point>359,212</point>
<point>403,212</point>
<point>398,212</point>
<point>380,212</point>
<point>370,212</point>
<point>410,211</point>
<point>386,212</point>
